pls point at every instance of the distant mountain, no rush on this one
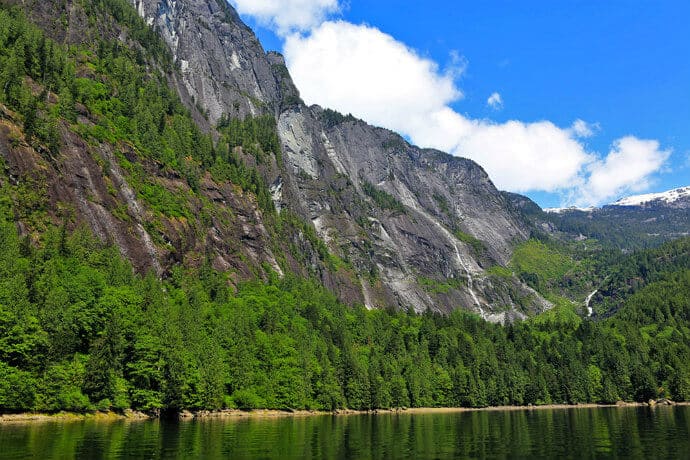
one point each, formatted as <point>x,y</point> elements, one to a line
<point>568,209</point>
<point>634,273</point>
<point>635,222</point>
<point>676,198</point>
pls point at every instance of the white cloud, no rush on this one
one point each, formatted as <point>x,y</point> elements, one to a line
<point>360,70</point>
<point>583,129</point>
<point>495,101</point>
<point>287,16</point>
<point>627,168</point>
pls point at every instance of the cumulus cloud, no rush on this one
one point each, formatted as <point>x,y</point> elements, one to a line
<point>287,16</point>
<point>495,101</point>
<point>628,167</point>
<point>359,69</point>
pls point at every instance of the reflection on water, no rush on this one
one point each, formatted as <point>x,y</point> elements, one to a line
<point>660,432</point>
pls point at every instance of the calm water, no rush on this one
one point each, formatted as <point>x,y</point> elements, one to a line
<point>662,432</point>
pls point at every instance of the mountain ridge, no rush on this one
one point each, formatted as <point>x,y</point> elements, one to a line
<point>677,197</point>
<point>319,148</point>
<point>393,225</point>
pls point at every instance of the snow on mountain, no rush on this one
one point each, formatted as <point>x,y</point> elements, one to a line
<point>668,197</point>
<point>569,208</point>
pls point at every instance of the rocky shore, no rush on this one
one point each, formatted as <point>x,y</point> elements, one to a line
<point>130,415</point>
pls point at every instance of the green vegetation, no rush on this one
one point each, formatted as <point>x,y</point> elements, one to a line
<point>499,271</point>
<point>79,331</point>
<point>257,136</point>
<point>440,287</point>
<point>383,199</point>
<point>539,265</point>
<point>167,203</point>
<point>122,12</point>
<point>630,275</point>
<point>333,118</point>
<point>477,245</point>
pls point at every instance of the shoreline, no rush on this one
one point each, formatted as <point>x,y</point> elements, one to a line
<point>133,416</point>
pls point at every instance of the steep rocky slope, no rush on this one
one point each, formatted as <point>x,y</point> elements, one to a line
<point>423,224</point>
<point>349,178</point>
<point>122,193</point>
<point>222,64</point>
<point>403,226</point>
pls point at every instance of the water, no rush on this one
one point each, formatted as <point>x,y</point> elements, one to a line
<point>661,432</point>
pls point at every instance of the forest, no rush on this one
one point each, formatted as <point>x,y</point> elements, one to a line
<point>81,331</point>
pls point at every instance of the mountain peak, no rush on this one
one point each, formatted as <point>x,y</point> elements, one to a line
<point>667,198</point>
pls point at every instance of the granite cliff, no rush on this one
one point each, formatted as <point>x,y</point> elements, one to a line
<point>402,226</point>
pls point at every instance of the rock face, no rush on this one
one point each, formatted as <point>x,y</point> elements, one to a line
<point>405,227</point>
<point>84,185</point>
<point>421,225</point>
<point>222,64</point>
<point>418,227</point>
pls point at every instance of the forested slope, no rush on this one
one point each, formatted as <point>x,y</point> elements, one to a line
<point>80,332</point>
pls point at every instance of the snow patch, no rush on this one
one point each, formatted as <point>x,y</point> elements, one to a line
<point>670,196</point>
<point>569,208</point>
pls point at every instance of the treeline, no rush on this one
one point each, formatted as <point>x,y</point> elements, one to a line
<point>80,332</point>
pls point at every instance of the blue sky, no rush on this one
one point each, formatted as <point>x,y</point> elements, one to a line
<point>591,99</point>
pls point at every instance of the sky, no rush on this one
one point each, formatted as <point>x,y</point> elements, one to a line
<point>572,103</point>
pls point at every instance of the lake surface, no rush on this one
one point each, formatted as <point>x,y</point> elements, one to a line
<point>631,432</point>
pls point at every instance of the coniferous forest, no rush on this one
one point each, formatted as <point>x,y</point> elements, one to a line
<point>80,330</point>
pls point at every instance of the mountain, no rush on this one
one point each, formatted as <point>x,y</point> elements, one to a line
<point>176,239</point>
<point>677,198</point>
<point>398,214</point>
<point>635,222</point>
<point>378,221</point>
